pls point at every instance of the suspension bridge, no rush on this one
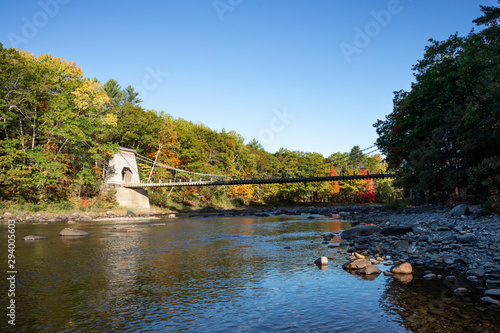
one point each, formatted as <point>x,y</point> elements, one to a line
<point>145,172</point>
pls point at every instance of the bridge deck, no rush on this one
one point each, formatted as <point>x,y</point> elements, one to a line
<point>262,181</point>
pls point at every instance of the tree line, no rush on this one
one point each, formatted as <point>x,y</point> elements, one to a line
<point>58,130</point>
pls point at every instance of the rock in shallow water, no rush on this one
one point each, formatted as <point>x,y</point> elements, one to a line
<point>460,210</point>
<point>368,270</point>
<point>34,237</point>
<point>321,261</point>
<point>404,268</point>
<point>487,299</point>
<point>73,232</point>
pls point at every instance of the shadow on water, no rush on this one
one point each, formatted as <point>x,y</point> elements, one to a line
<point>433,306</point>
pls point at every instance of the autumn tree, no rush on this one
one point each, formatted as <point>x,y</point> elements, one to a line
<point>53,121</point>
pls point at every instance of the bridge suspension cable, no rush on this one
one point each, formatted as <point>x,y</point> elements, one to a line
<point>154,173</point>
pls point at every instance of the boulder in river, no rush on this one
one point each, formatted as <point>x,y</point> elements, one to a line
<point>368,270</point>
<point>404,268</point>
<point>321,261</point>
<point>460,210</point>
<point>73,232</point>
<point>365,230</point>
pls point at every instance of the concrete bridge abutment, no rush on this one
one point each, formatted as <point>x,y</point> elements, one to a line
<point>122,169</point>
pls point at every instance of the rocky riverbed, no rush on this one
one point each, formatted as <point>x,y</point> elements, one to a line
<point>454,255</point>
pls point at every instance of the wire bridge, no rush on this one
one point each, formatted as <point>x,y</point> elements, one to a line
<point>155,174</point>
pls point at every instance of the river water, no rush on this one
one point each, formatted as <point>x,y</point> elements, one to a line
<point>212,274</point>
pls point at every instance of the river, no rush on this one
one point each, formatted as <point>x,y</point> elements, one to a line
<point>206,274</point>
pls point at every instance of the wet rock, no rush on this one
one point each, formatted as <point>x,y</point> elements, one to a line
<point>467,239</point>
<point>461,291</point>
<point>460,210</point>
<point>368,270</point>
<point>490,300</point>
<point>365,230</point>
<point>378,249</point>
<point>79,218</point>
<point>34,237</point>
<point>130,213</point>
<point>479,272</point>
<point>287,248</point>
<point>59,218</point>
<point>374,262</point>
<point>402,245</point>
<point>450,278</point>
<point>493,293</point>
<point>386,273</point>
<point>493,284</point>
<point>358,256</point>
<point>404,268</point>
<point>473,279</point>
<point>321,261</point>
<point>396,230</point>
<point>477,209</point>
<point>73,232</point>
<point>430,276</point>
<point>357,264</point>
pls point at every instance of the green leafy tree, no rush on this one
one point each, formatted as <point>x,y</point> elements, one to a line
<point>443,136</point>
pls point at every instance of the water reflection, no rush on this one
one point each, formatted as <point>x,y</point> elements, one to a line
<point>207,275</point>
<point>432,306</point>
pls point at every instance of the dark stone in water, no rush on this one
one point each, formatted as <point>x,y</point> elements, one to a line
<point>479,272</point>
<point>396,230</point>
<point>365,230</point>
<point>130,213</point>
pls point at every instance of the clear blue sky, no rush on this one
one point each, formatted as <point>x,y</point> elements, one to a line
<point>300,74</point>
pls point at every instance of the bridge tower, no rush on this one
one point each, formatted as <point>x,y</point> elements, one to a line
<point>123,169</point>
